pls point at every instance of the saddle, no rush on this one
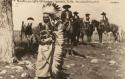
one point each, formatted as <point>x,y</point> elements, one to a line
<point>87,24</point>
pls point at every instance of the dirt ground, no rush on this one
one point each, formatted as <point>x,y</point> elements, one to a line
<point>103,61</point>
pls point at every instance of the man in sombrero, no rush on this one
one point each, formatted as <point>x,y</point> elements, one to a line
<point>104,17</point>
<point>87,20</point>
<point>66,14</point>
<point>104,21</point>
<point>75,16</point>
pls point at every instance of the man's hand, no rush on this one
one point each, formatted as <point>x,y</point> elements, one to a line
<point>48,39</point>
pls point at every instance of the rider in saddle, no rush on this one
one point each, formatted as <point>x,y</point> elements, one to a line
<point>104,20</point>
<point>66,14</point>
<point>87,20</point>
<point>76,16</point>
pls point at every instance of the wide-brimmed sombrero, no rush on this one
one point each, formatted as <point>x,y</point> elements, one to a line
<point>66,6</point>
<point>30,18</point>
<point>103,13</point>
<point>87,14</point>
<point>76,12</point>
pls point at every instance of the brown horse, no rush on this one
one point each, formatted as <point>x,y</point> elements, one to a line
<point>88,29</point>
<point>76,31</point>
<point>101,28</point>
<point>68,31</point>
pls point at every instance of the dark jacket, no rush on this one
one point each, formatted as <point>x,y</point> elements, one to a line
<point>63,15</point>
<point>76,17</point>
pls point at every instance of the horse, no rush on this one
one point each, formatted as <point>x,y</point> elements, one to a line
<point>68,31</point>
<point>82,29</point>
<point>87,28</point>
<point>121,34</point>
<point>102,28</point>
<point>26,30</point>
<point>27,35</point>
<point>76,31</point>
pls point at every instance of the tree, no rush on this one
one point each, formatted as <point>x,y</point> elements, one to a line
<point>6,31</point>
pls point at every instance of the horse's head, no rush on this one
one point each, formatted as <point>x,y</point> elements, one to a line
<point>95,23</point>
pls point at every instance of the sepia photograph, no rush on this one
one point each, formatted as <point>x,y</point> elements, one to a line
<point>62,39</point>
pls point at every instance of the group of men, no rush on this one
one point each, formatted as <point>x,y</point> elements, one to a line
<point>67,14</point>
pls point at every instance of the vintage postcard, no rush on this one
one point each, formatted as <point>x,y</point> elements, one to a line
<point>62,39</point>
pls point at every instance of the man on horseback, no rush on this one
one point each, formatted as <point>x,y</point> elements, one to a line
<point>108,28</point>
<point>88,27</point>
<point>66,14</point>
<point>76,27</point>
<point>87,20</point>
<point>66,17</point>
<point>104,16</point>
<point>105,22</point>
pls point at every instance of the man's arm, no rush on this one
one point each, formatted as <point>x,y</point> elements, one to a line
<point>63,16</point>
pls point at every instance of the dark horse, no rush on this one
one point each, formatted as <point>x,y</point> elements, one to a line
<point>26,30</point>
<point>101,28</point>
<point>68,31</point>
<point>76,31</point>
<point>27,36</point>
<point>87,28</point>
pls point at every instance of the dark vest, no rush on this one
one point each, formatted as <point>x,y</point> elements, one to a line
<point>66,15</point>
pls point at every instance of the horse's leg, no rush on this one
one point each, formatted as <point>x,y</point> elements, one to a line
<point>100,37</point>
<point>88,38</point>
<point>73,40</point>
<point>108,37</point>
<point>82,36</point>
<point>31,43</point>
<point>91,36</point>
<point>68,40</point>
<point>115,36</point>
<point>119,37</point>
<point>28,41</point>
<point>78,37</point>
